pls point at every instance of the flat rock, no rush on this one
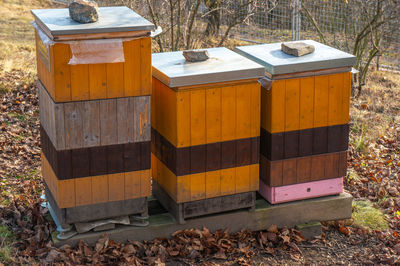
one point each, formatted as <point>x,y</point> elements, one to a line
<point>84,11</point>
<point>297,48</point>
<point>196,55</point>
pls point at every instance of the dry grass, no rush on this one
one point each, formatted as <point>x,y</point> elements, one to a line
<point>17,45</point>
<point>376,110</point>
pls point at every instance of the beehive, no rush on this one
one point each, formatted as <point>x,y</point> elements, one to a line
<point>94,99</point>
<point>205,132</point>
<point>305,105</point>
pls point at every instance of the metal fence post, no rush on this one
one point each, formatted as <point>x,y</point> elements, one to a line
<point>296,19</point>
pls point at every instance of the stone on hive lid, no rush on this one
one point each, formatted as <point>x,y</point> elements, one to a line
<point>84,11</point>
<point>196,55</point>
<point>297,48</point>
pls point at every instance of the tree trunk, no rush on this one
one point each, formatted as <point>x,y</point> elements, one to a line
<point>213,17</point>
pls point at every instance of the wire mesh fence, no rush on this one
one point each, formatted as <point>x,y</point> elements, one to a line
<point>336,21</point>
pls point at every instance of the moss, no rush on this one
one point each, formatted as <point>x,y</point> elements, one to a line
<point>367,216</point>
<point>6,238</point>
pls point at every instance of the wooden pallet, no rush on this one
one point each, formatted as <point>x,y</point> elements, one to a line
<point>162,224</point>
<point>67,216</point>
<point>183,211</point>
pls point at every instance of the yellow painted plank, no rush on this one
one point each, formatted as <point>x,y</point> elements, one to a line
<point>116,184</point>
<point>213,184</point>
<point>62,75</point>
<point>133,185</point>
<point>321,101</point>
<point>306,103</point>
<point>243,113</point>
<point>197,186</point>
<point>79,82</point>
<point>145,66</point>
<point>213,115</point>
<point>166,179</point>
<point>242,179</point>
<point>66,193</point>
<point>166,112</point>
<point>182,119</point>
<point>197,117</point>
<point>145,183</point>
<point>155,85</point>
<point>228,184</point>
<point>183,191</point>
<point>255,100</point>
<point>335,99</point>
<point>132,67</point>
<point>266,109</point>
<point>100,189</point>
<point>254,177</point>
<point>115,80</point>
<point>346,97</point>
<point>292,104</point>
<point>97,81</point>
<point>228,113</point>
<point>83,191</point>
<point>277,114</point>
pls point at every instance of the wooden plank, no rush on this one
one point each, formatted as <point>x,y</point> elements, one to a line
<point>91,123</point>
<point>243,113</point>
<point>303,170</point>
<point>73,125</point>
<point>124,120</point>
<point>292,105</point>
<point>197,117</point>
<point>80,163</point>
<point>62,72</point>
<point>242,180</point>
<point>346,97</point>
<point>228,113</point>
<point>97,81</point>
<point>66,193</point>
<point>213,115</point>
<point>335,116</point>
<point>301,191</point>
<point>317,167</point>
<point>228,177</point>
<point>83,191</point>
<point>289,171</point>
<point>108,122</point>
<point>79,82</point>
<point>309,73</point>
<point>197,186</point>
<point>116,184</point>
<point>60,134</point>
<point>132,185</point>
<point>142,118</point>
<point>145,66</point>
<point>255,109</point>
<point>99,189</point>
<point>100,35</point>
<point>115,80</point>
<point>321,101</point>
<point>145,183</point>
<point>181,119</point>
<point>132,67</point>
<point>213,184</point>
<point>291,144</point>
<point>278,107</point>
<point>306,103</point>
<point>254,177</point>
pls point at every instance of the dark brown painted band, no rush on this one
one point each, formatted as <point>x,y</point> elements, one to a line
<point>94,161</point>
<point>307,142</point>
<point>303,169</point>
<point>207,157</point>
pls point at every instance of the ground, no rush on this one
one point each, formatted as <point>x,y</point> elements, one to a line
<point>370,237</point>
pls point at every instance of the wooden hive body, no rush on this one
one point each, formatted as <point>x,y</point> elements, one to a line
<point>305,106</point>
<point>95,119</point>
<point>205,134</point>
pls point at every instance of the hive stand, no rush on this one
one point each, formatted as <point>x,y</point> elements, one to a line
<point>162,224</point>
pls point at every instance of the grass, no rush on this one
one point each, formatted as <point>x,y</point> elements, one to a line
<point>367,216</point>
<point>6,250</point>
<point>17,43</point>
